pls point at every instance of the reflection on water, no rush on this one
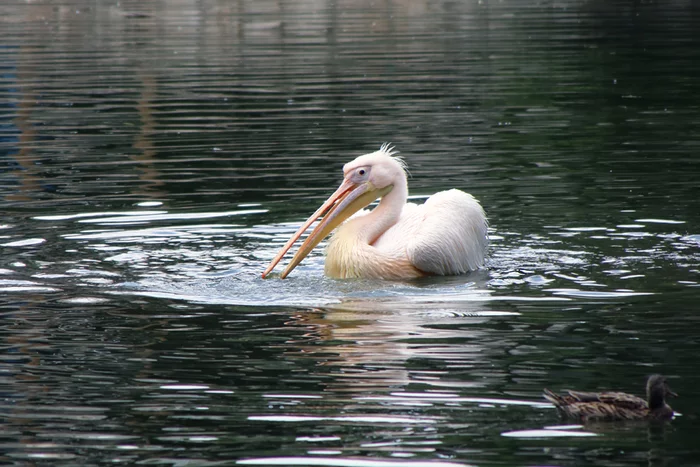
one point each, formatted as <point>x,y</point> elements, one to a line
<point>157,154</point>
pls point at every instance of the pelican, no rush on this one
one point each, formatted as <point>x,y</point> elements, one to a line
<point>447,235</point>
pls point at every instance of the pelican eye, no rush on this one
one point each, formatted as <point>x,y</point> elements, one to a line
<point>362,172</point>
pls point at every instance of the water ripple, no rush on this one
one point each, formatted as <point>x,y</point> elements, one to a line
<point>550,432</point>
<point>155,155</point>
<point>345,462</point>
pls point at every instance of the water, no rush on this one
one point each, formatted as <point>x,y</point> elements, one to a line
<point>155,156</point>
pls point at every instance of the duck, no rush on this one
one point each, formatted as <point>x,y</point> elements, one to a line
<point>613,406</point>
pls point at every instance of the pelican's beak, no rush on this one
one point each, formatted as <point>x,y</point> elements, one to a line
<point>346,201</point>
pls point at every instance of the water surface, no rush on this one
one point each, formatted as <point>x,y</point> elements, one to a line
<point>156,155</point>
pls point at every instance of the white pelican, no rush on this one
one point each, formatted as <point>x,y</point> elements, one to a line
<point>446,235</point>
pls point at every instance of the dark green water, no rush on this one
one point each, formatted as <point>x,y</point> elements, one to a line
<point>155,155</point>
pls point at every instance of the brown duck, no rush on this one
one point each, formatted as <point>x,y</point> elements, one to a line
<point>589,406</point>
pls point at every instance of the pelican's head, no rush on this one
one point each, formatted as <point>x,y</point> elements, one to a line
<point>379,169</point>
<point>366,178</point>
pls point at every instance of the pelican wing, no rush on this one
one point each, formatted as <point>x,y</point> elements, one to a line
<point>452,236</point>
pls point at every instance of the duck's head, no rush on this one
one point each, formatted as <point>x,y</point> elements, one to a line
<point>657,391</point>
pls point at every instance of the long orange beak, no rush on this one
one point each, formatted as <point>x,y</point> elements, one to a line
<point>346,201</point>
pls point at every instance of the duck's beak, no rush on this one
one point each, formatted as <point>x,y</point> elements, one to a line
<point>346,201</point>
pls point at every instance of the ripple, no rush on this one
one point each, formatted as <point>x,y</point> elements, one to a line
<point>598,293</point>
<point>344,462</point>
<point>9,285</point>
<point>324,292</point>
<point>82,215</point>
<point>85,300</point>
<point>692,238</point>
<point>132,218</point>
<point>659,221</point>
<point>548,433</point>
<point>317,439</point>
<point>42,455</point>
<point>87,436</point>
<point>360,419</point>
<point>25,242</point>
<point>452,398</point>
<point>184,387</point>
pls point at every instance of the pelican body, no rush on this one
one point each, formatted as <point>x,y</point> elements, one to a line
<point>611,406</point>
<point>447,235</point>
